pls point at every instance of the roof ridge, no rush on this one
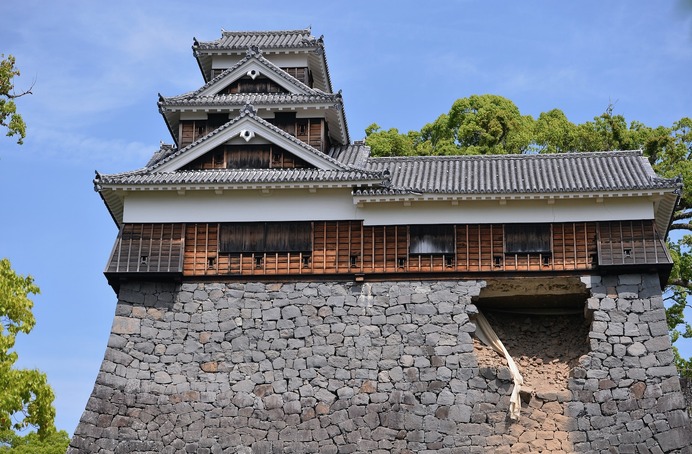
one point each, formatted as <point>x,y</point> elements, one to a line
<point>248,175</point>
<point>307,40</point>
<point>473,157</point>
<point>296,97</point>
<point>264,32</point>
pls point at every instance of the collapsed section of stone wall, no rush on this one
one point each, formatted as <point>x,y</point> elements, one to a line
<point>382,367</point>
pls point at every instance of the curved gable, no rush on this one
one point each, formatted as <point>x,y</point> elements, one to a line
<point>248,128</point>
<point>254,65</point>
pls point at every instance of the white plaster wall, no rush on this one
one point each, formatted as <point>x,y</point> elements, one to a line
<point>489,212</point>
<point>280,60</point>
<point>337,204</point>
<point>240,206</point>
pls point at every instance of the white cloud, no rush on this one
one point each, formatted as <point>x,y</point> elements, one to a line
<point>108,155</point>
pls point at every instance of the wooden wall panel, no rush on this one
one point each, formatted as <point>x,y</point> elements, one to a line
<point>630,243</point>
<point>147,248</point>
<point>348,247</point>
<point>201,250</point>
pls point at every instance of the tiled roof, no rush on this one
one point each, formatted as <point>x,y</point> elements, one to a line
<point>236,41</point>
<point>239,176</point>
<point>240,99</point>
<point>519,174</point>
<point>355,154</point>
<point>262,39</point>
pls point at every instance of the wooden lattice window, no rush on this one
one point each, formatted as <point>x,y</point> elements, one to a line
<point>431,239</point>
<point>265,237</point>
<point>527,239</point>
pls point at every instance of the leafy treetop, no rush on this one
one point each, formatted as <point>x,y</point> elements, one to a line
<point>26,399</point>
<point>9,118</point>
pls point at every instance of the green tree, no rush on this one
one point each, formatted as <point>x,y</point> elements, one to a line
<point>478,124</point>
<point>26,398</point>
<point>390,142</point>
<point>554,133</point>
<point>9,118</point>
<point>490,124</point>
<point>31,443</point>
<point>483,124</point>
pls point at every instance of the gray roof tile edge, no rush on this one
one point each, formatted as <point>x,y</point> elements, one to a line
<point>505,157</point>
<point>241,176</point>
<point>241,99</point>
<point>306,41</point>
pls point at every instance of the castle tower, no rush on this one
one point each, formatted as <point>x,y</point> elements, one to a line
<point>280,290</point>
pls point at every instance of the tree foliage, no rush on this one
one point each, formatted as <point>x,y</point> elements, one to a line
<point>9,118</point>
<point>26,398</point>
<point>490,124</point>
<point>54,443</point>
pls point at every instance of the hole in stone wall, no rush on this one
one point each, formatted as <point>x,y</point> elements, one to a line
<point>545,347</point>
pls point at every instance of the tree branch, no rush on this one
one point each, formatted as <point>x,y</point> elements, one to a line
<point>24,93</point>
<point>680,215</point>
<point>680,227</point>
<point>680,283</point>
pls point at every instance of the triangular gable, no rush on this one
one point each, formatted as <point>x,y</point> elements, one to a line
<point>248,126</point>
<point>254,64</point>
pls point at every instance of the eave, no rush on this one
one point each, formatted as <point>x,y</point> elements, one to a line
<point>114,195</point>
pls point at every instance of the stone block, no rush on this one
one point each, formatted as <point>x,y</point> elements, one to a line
<point>126,325</point>
<point>675,439</point>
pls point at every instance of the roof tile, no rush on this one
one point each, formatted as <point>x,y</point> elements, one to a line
<point>514,174</point>
<point>261,39</point>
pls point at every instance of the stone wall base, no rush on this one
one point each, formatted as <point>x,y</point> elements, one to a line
<point>380,368</point>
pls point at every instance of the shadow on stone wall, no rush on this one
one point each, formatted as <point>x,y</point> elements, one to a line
<point>686,385</point>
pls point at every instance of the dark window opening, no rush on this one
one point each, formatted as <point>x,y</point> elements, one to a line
<point>307,261</point>
<point>216,120</point>
<point>266,237</point>
<point>431,239</point>
<point>218,160</point>
<point>497,260</point>
<point>354,260</point>
<point>401,262</point>
<point>302,127</point>
<point>527,239</point>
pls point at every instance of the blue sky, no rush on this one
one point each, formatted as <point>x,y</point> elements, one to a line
<point>97,68</point>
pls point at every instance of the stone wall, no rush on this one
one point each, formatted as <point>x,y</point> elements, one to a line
<point>379,367</point>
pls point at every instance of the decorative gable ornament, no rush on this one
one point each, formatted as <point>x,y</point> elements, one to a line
<point>247,134</point>
<point>253,73</point>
